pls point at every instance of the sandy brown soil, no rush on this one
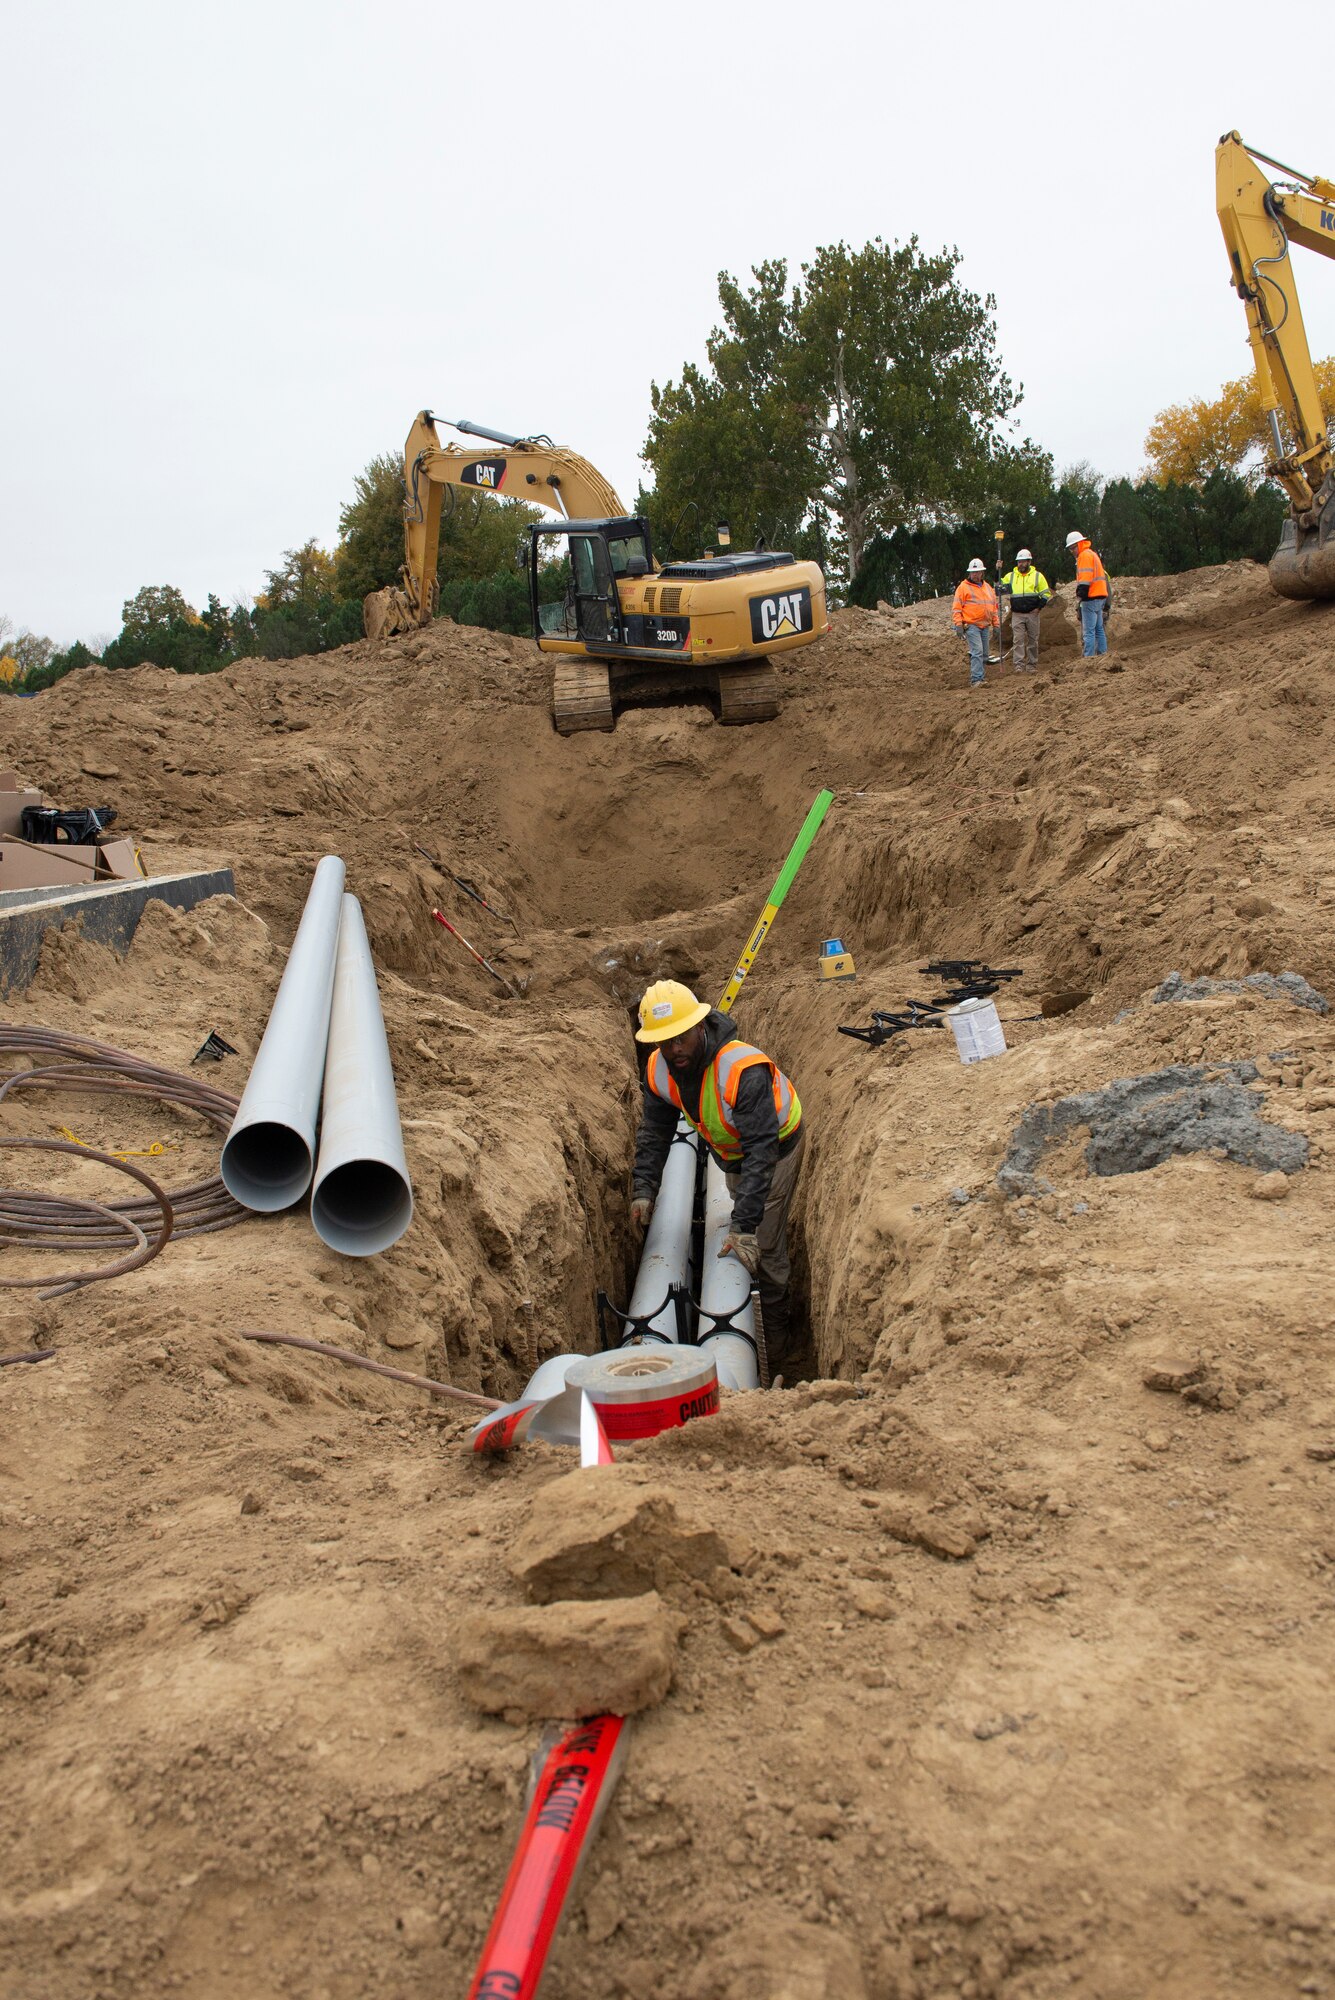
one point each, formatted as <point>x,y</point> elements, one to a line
<point>1016,1679</point>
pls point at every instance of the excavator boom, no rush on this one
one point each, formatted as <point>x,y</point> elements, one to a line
<point>1260,219</point>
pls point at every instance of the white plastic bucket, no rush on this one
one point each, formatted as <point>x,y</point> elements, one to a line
<point>977,1031</point>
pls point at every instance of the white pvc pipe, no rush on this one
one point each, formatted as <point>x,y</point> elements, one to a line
<point>362,1200</point>
<point>269,1153</point>
<point>666,1257</point>
<point>725,1287</point>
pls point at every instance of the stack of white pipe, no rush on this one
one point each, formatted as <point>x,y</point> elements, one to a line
<point>325,1040</point>
<point>725,1288</point>
<point>665,1262</point>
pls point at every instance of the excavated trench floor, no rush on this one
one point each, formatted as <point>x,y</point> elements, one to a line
<point>1013,1681</point>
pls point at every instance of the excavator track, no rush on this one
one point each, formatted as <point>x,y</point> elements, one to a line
<point>581,695</point>
<point>748,694</point>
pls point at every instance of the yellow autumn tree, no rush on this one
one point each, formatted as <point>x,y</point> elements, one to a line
<point>1189,441</point>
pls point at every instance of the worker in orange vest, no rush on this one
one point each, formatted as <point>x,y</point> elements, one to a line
<point>750,1117</point>
<point>1092,593</point>
<point>976,616</point>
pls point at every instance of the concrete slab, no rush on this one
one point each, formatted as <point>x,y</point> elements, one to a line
<point>109,914</point>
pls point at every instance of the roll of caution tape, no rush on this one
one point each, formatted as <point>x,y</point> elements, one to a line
<point>636,1391</point>
<point>640,1391</point>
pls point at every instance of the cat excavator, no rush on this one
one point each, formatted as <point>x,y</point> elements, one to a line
<point>629,630</point>
<point>1260,218</point>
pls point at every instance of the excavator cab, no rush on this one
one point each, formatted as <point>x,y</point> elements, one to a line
<point>600,555</point>
<point>626,632</point>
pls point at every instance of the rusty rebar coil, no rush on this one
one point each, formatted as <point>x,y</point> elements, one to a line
<point>38,1220</point>
<point>59,1283</point>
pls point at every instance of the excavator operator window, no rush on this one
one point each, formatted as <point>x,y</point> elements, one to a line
<point>622,549</point>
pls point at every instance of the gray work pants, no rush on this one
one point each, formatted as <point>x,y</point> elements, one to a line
<point>772,1235</point>
<point>1024,638</point>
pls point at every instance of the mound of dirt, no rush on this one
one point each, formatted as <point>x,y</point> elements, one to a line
<point>1013,1680</point>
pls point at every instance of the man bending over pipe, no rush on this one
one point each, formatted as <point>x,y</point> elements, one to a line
<point>749,1116</point>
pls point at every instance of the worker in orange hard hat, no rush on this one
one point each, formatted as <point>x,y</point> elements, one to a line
<point>976,617</point>
<point>748,1115</point>
<point>1092,593</point>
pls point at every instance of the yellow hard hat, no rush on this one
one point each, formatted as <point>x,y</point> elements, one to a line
<point>669,1009</point>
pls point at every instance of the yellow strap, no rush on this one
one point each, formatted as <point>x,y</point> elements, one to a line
<point>131,1153</point>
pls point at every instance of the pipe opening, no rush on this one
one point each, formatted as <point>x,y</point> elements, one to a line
<point>361,1207</point>
<point>267,1166</point>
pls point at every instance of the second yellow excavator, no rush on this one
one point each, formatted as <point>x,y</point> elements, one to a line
<point>629,630</point>
<point>1260,218</point>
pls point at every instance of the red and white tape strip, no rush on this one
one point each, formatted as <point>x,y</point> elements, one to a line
<point>576,1782</point>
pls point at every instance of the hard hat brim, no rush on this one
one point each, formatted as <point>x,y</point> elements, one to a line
<point>671,1029</point>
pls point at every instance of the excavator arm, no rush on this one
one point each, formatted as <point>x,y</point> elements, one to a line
<point>1260,219</point>
<point>531,469</point>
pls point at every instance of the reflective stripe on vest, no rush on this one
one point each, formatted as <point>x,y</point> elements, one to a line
<point>1089,569</point>
<point>718,1096</point>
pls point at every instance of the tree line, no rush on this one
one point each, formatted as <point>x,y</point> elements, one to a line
<point>858,415</point>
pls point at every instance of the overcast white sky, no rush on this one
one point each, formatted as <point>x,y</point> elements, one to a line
<point>245,243</point>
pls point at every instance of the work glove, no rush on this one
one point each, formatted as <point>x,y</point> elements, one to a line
<point>640,1210</point>
<point>744,1248</point>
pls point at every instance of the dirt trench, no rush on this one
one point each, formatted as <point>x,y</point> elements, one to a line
<point>1015,1682</point>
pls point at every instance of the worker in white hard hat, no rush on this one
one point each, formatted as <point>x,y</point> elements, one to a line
<point>1028,590</point>
<point>1092,593</point>
<point>748,1115</point>
<point>976,617</point>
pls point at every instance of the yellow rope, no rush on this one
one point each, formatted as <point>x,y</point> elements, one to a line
<point>132,1153</point>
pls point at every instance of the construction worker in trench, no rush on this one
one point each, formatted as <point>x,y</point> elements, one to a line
<point>749,1116</point>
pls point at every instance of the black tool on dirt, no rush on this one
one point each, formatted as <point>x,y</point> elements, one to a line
<point>884,1026</point>
<point>46,825</point>
<point>469,888</point>
<point>971,979</point>
<point>213,1048</point>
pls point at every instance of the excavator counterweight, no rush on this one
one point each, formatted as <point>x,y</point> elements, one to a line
<point>629,630</point>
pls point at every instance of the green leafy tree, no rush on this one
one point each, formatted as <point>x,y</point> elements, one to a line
<point>478,534</point>
<point>1145,529</point>
<point>870,394</point>
<point>304,576</point>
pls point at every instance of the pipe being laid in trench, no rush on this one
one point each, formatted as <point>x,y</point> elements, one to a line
<point>362,1200</point>
<point>725,1293</point>
<point>665,1261</point>
<point>269,1154</point>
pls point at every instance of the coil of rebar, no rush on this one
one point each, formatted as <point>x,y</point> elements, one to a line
<point>37,1220</point>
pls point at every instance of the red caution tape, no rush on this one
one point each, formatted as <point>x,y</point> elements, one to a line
<point>636,1391</point>
<point>577,1780</point>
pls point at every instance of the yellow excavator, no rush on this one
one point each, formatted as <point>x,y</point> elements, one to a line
<point>629,630</point>
<point>1260,218</point>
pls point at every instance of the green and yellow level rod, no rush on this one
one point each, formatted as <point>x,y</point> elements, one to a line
<point>797,854</point>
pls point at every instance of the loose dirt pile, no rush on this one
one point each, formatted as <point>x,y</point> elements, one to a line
<point>993,1660</point>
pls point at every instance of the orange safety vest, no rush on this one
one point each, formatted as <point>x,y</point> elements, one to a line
<point>976,604</point>
<point>1089,569</point>
<point>718,1096</point>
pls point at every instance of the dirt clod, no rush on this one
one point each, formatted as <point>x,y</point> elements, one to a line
<point>601,1532</point>
<point>569,1659</point>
